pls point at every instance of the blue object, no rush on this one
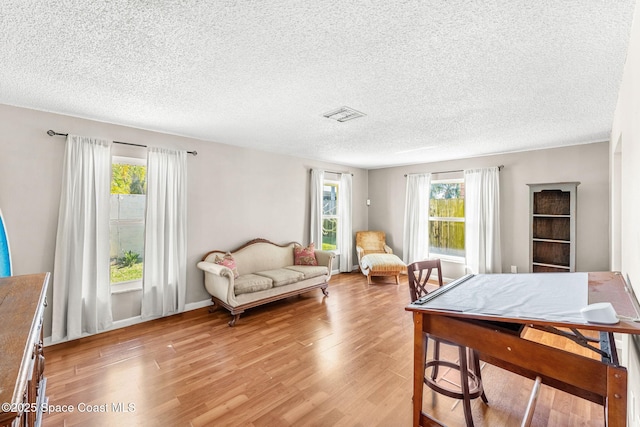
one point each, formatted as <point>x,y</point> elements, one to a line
<point>5,251</point>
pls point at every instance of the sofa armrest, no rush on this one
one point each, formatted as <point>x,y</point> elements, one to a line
<point>218,281</point>
<point>212,268</point>
<point>387,249</point>
<point>325,258</point>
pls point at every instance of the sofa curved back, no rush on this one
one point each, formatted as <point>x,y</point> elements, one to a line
<point>258,255</point>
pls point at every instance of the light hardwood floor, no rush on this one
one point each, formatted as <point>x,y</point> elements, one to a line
<point>344,360</point>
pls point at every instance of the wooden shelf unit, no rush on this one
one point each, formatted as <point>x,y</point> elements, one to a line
<point>553,227</point>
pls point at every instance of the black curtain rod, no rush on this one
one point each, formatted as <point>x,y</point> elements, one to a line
<point>459,170</point>
<point>52,133</point>
<point>339,173</point>
<point>334,172</point>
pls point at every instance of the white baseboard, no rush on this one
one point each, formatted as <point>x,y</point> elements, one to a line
<point>197,305</point>
<point>353,268</point>
<point>119,324</point>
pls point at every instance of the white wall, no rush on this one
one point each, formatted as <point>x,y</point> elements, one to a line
<point>235,194</point>
<point>625,179</point>
<point>584,163</point>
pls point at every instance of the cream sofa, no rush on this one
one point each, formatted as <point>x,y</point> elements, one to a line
<point>266,273</point>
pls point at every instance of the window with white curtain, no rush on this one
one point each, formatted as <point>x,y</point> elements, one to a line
<point>126,222</point>
<point>447,218</point>
<point>330,219</point>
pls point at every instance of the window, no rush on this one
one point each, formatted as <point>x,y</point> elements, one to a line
<point>126,220</point>
<point>330,215</point>
<point>446,218</point>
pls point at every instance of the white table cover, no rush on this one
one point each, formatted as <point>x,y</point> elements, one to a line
<point>546,296</point>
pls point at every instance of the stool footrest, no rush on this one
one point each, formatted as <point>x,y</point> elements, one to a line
<point>475,383</point>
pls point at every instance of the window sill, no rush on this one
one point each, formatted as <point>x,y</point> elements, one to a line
<point>449,258</point>
<point>123,287</point>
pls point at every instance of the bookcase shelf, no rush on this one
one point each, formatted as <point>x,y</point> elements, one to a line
<point>552,228</point>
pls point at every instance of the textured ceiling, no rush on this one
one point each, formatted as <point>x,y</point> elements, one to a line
<point>436,79</point>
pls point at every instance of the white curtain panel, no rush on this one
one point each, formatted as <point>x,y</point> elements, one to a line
<point>81,285</point>
<point>482,220</point>
<point>345,228</point>
<point>315,222</point>
<point>415,246</point>
<point>165,255</point>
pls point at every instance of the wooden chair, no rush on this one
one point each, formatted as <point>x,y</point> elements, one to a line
<point>468,364</point>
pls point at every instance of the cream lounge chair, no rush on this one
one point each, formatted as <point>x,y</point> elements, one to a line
<point>375,257</point>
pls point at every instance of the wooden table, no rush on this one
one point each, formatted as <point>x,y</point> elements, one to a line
<point>601,382</point>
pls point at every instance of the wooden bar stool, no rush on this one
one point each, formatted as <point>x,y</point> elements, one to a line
<point>468,364</point>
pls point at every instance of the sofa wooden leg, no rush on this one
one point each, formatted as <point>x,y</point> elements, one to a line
<point>213,307</point>
<point>325,291</point>
<point>234,319</point>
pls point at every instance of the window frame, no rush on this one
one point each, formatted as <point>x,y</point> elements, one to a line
<point>129,285</point>
<point>335,183</point>
<point>447,257</point>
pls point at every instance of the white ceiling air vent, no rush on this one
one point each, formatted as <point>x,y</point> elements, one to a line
<point>343,114</point>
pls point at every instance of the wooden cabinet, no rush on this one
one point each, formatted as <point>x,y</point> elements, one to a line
<point>22,380</point>
<point>553,227</point>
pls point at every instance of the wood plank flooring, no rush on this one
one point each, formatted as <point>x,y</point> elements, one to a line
<point>344,360</point>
